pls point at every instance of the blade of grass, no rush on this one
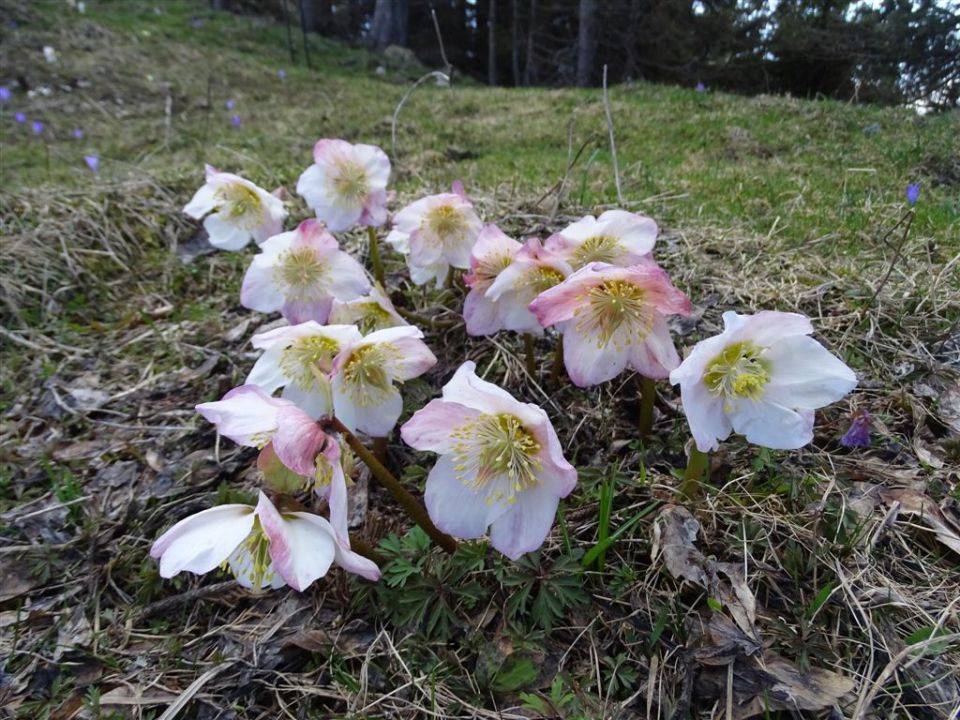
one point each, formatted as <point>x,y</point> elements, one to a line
<point>595,551</point>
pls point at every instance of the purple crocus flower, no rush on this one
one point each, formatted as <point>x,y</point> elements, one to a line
<point>230,104</point>
<point>235,120</point>
<point>700,87</point>
<point>858,436</point>
<point>913,194</point>
<point>281,73</point>
<point>5,94</point>
<point>37,127</point>
<point>78,133</point>
<point>20,117</point>
<point>93,162</point>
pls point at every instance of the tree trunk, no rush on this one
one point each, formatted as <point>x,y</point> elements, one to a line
<point>515,41</point>
<point>586,42</point>
<point>389,25</point>
<point>528,69</point>
<point>492,44</point>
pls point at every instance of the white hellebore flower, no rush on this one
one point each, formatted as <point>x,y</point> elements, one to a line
<point>262,546</point>
<point>436,233</point>
<point>347,184</point>
<point>300,273</point>
<point>299,359</point>
<point>491,254</point>
<point>236,210</point>
<point>370,312</point>
<point>364,373</point>
<point>501,467</point>
<point>617,237</point>
<point>762,377</point>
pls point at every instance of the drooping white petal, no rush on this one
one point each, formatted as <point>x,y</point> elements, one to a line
<point>771,425</point>
<point>525,526</point>
<point>199,543</point>
<point>804,374</point>
<point>224,234</point>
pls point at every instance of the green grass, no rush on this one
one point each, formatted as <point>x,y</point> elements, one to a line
<point>793,170</point>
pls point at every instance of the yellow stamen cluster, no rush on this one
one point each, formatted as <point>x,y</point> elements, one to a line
<point>252,559</point>
<point>599,248</point>
<point>739,372</point>
<point>306,357</point>
<point>366,373</point>
<point>260,439</point>
<point>541,278</point>
<point>302,273</point>
<point>615,311</point>
<point>488,270</point>
<point>374,317</point>
<point>497,453</point>
<point>350,183</point>
<point>242,204</point>
<point>444,225</point>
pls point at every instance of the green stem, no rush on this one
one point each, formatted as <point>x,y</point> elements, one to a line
<point>424,320</point>
<point>375,263</point>
<point>362,547</point>
<point>407,501</point>
<point>698,466</point>
<point>648,395</point>
<point>380,449</point>
<point>530,348</point>
<point>451,274</point>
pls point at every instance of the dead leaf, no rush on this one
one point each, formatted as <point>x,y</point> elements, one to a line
<point>945,526</point>
<point>16,580</point>
<point>75,633</point>
<point>125,695</point>
<point>87,399</point>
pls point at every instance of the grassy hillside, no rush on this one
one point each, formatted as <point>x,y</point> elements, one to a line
<point>116,321</point>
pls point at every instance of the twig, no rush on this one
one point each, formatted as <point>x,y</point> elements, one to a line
<point>896,255</point>
<point>613,145</point>
<point>286,21</point>
<point>443,53</point>
<point>187,597</point>
<point>396,113</point>
<point>303,33</point>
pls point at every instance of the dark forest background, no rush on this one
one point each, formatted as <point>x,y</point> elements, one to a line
<point>894,52</point>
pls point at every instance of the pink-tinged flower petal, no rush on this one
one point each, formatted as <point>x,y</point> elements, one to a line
<point>480,314</point>
<point>348,278</point>
<point>203,201</point>
<point>658,289</point>
<point>527,524</point>
<point>637,233</point>
<point>457,189</point>
<point>301,311</point>
<point>655,356</point>
<point>454,507</point>
<point>337,498</point>
<point>298,440</point>
<point>375,162</point>
<point>259,291</point>
<point>245,414</point>
<point>410,355</point>
<point>430,427</point>
<point>343,555</point>
<point>560,303</point>
<point>587,362</point>
<point>465,388</point>
<point>301,551</point>
<point>225,235</point>
<point>556,472</point>
<point>772,425</point>
<point>375,211</point>
<point>709,425</point>
<point>199,543</point>
<point>376,419</point>
<point>768,326</point>
<point>806,375</point>
<point>422,274</point>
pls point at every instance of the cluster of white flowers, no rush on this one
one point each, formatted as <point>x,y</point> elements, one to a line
<point>345,348</point>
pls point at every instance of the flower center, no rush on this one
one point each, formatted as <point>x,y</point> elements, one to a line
<point>444,225</point>
<point>599,248</point>
<point>542,278</point>
<point>488,270</point>
<point>365,373</point>
<point>306,357</point>
<point>502,453</point>
<point>251,561</point>
<point>242,205</point>
<point>350,183</point>
<point>738,372</point>
<point>302,272</point>
<point>612,306</point>
<point>374,317</point>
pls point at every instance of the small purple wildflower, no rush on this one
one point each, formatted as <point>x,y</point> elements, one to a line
<point>93,162</point>
<point>700,87</point>
<point>231,104</point>
<point>5,94</point>
<point>197,22</point>
<point>858,436</point>
<point>913,194</point>
<point>235,120</point>
<point>20,117</point>
<point>37,127</point>
<point>78,133</point>
<point>281,73</point>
